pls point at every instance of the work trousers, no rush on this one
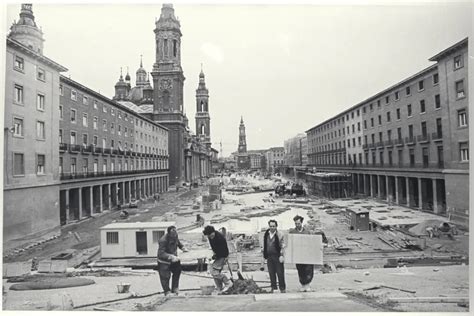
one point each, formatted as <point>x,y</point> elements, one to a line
<point>305,273</point>
<point>220,279</point>
<point>276,268</point>
<point>165,271</point>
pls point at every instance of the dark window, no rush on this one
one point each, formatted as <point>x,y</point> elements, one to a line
<point>425,157</point>
<point>358,126</point>
<point>410,131</point>
<point>175,48</point>
<point>388,116</point>
<point>390,158</point>
<point>439,128</point>
<point>409,109</point>
<point>387,99</point>
<point>371,122</point>
<point>422,106</point>
<point>18,164</point>
<point>421,85</point>
<point>381,158</point>
<point>412,157</point>
<point>460,89</point>
<point>380,136</point>
<point>400,157</point>
<point>407,90</point>
<point>365,124</point>
<point>399,133</point>
<point>435,78</point>
<point>371,106</point>
<point>437,101</point>
<point>389,134</point>
<point>398,114</point>
<point>440,157</point>
<point>397,95</point>
<point>380,119</point>
<point>378,103</point>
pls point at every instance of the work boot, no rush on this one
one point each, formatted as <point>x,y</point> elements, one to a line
<point>282,291</point>
<point>226,288</point>
<point>167,293</point>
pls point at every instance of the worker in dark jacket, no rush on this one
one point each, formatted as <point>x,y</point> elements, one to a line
<point>221,252</point>
<point>273,247</point>
<point>305,271</point>
<point>168,261</point>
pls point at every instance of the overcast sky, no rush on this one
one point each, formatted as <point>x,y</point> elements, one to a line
<point>284,68</point>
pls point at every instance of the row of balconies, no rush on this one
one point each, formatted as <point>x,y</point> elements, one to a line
<point>395,142</point>
<point>424,165</point>
<point>91,149</point>
<point>96,174</point>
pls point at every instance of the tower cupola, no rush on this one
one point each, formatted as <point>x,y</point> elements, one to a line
<point>26,31</point>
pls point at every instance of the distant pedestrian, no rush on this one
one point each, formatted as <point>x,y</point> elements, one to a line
<point>168,260</point>
<point>273,251</point>
<point>305,271</point>
<point>221,252</point>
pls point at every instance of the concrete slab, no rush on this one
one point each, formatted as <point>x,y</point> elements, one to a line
<point>44,266</point>
<point>59,265</point>
<point>297,296</point>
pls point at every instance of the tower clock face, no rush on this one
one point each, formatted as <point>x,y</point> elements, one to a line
<point>165,84</point>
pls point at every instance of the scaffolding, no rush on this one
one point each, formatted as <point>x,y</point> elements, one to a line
<point>329,185</point>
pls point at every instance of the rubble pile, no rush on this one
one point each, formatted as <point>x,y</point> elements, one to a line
<point>247,286</point>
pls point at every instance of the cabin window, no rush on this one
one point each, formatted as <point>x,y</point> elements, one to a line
<point>157,234</point>
<point>112,238</point>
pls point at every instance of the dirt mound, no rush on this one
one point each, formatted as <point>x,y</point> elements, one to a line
<point>420,229</point>
<point>244,287</point>
<point>51,283</point>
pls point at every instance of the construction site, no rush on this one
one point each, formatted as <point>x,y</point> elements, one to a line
<point>376,256</point>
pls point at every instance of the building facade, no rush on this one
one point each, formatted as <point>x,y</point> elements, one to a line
<point>108,154</point>
<point>407,144</point>
<point>275,159</point>
<point>31,118</point>
<point>295,150</point>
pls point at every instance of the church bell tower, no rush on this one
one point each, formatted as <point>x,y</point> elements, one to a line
<point>203,120</point>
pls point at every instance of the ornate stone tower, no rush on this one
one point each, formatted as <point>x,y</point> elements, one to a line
<point>242,141</point>
<point>26,31</point>
<point>168,80</point>
<point>203,120</point>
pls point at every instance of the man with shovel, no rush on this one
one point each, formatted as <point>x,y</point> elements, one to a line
<point>221,252</point>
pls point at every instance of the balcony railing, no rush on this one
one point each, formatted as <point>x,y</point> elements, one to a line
<point>92,174</point>
<point>399,142</point>
<point>86,149</point>
<point>411,140</point>
<point>437,136</point>
<point>107,151</point>
<point>379,144</point>
<point>63,146</point>
<point>430,165</point>
<point>74,148</point>
<point>389,142</point>
<point>97,150</point>
<point>423,138</point>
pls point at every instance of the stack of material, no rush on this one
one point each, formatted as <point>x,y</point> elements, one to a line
<point>420,229</point>
<point>398,240</point>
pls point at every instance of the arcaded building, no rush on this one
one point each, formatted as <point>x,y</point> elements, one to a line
<point>31,118</point>
<point>109,154</point>
<point>408,144</point>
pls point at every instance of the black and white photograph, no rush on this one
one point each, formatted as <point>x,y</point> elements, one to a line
<point>236,156</point>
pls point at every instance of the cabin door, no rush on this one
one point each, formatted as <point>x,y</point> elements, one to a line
<point>142,248</point>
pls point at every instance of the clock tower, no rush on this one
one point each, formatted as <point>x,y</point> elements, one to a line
<point>168,81</point>
<point>242,138</point>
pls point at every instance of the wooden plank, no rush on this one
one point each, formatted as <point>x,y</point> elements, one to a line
<point>429,299</point>
<point>304,249</point>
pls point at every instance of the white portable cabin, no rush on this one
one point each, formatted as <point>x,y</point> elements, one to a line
<point>126,240</point>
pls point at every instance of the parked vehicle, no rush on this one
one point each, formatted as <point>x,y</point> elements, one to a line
<point>133,203</point>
